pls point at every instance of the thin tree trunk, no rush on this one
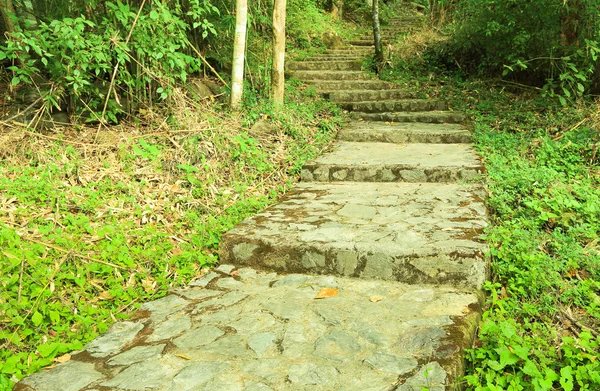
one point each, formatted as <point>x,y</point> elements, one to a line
<point>278,79</point>
<point>339,4</point>
<point>31,22</point>
<point>239,48</point>
<point>432,4</point>
<point>7,10</point>
<point>377,34</point>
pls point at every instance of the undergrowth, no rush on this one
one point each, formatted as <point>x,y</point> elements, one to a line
<point>88,232</point>
<point>540,327</point>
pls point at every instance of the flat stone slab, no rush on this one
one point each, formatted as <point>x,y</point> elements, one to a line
<point>362,95</point>
<point>400,133</point>
<point>327,65</point>
<point>276,335</point>
<point>405,105</point>
<point>361,42</point>
<point>388,162</point>
<point>333,57</point>
<point>332,85</point>
<point>329,75</point>
<point>436,117</point>
<point>413,233</point>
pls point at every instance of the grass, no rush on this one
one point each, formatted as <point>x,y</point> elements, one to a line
<point>540,327</point>
<point>88,232</point>
<point>540,330</point>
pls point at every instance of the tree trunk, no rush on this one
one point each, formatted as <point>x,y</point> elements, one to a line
<point>377,35</point>
<point>338,9</point>
<point>8,11</point>
<point>432,6</point>
<point>28,15</point>
<point>278,79</point>
<point>239,49</point>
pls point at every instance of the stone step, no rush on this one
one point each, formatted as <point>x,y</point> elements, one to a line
<point>349,48</point>
<point>369,48</point>
<point>437,117</point>
<point>329,75</point>
<point>383,35</point>
<point>416,233</point>
<point>254,331</point>
<point>361,131</point>
<point>387,36</point>
<point>361,42</point>
<point>389,30</point>
<point>403,25</point>
<point>362,95</point>
<point>334,57</point>
<point>329,86</point>
<point>344,65</point>
<point>387,162</point>
<point>383,106</point>
<point>407,19</point>
<point>352,52</point>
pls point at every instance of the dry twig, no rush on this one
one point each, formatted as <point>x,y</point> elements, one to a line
<point>62,250</point>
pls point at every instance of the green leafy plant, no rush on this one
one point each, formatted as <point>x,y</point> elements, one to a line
<point>76,57</point>
<point>548,43</point>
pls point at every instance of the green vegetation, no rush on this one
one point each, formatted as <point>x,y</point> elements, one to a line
<point>544,197</point>
<point>553,44</point>
<point>89,232</point>
<point>130,54</point>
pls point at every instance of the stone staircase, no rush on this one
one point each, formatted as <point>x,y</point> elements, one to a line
<point>365,277</point>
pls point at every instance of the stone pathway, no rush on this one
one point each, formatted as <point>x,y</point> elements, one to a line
<point>367,276</point>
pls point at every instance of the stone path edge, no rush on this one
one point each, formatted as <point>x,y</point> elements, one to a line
<point>98,367</point>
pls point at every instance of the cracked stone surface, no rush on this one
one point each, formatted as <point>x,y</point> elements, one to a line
<point>405,133</point>
<point>415,233</point>
<point>389,162</point>
<point>438,117</point>
<point>280,337</point>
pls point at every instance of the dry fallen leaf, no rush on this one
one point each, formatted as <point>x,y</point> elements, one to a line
<point>106,295</point>
<point>63,359</point>
<point>327,292</point>
<point>183,356</point>
<point>176,251</point>
<point>375,299</point>
<point>148,285</point>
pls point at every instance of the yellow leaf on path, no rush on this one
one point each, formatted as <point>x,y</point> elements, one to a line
<point>183,356</point>
<point>63,359</point>
<point>327,292</point>
<point>375,299</point>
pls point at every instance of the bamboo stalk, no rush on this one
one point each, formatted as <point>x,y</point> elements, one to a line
<point>115,70</point>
